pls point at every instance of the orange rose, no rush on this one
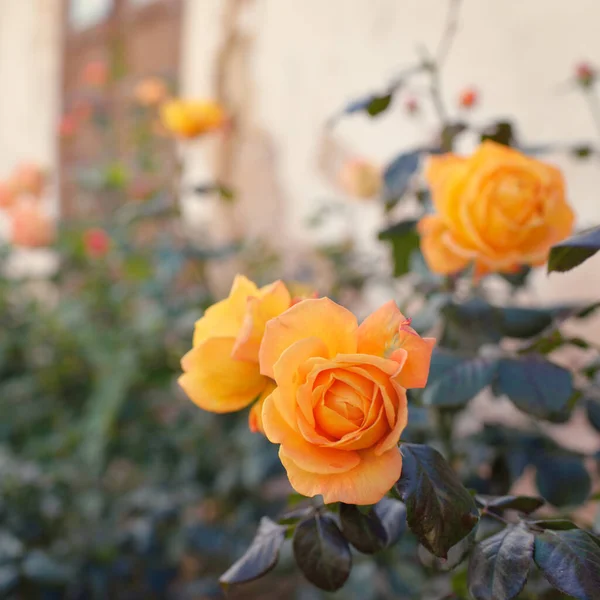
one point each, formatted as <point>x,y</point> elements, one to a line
<point>28,178</point>
<point>360,178</point>
<point>191,118</point>
<point>340,403</point>
<point>7,195</point>
<point>95,73</point>
<point>30,227</point>
<point>498,208</point>
<point>150,91</point>
<point>221,372</point>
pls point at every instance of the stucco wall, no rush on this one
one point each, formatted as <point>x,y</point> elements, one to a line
<point>298,62</point>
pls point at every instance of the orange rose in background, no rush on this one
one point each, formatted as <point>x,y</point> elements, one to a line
<point>498,208</point>
<point>340,403</point>
<point>95,73</point>
<point>7,195</point>
<point>150,91</point>
<point>221,372</point>
<point>28,178</point>
<point>191,118</point>
<point>30,226</point>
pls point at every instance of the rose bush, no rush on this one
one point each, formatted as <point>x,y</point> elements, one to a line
<point>498,208</point>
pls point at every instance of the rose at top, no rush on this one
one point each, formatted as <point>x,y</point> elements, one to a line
<point>220,372</point>
<point>340,403</point>
<point>191,118</point>
<point>498,208</point>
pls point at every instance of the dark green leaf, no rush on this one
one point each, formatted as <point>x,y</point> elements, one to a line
<point>574,250</point>
<point>225,192</point>
<point>536,386</point>
<point>520,322</point>
<point>449,134</point>
<point>404,239</point>
<point>570,561</point>
<point>518,279</point>
<point>378,104</point>
<point>397,175</point>
<point>562,479</point>
<point>454,380</point>
<point>322,553</point>
<point>440,511</point>
<point>500,132</point>
<point>499,565</point>
<point>524,504</point>
<point>592,406</point>
<point>381,527</point>
<point>261,556</point>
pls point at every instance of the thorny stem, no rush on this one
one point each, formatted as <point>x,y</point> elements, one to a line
<point>449,31</point>
<point>435,63</point>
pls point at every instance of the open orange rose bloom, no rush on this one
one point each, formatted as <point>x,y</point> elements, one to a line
<point>498,208</point>
<point>340,403</point>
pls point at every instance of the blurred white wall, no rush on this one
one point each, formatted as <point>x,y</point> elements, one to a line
<point>30,82</point>
<point>302,61</point>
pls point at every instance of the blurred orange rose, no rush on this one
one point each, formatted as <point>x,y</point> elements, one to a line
<point>96,242</point>
<point>150,91</point>
<point>95,73</point>
<point>68,125</point>
<point>28,178</point>
<point>340,403</point>
<point>360,178</point>
<point>498,208</point>
<point>30,227</point>
<point>220,372</point>
<point>7,195</point>
<point>191,118</point>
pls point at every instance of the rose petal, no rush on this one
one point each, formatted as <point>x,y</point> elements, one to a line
<point>322,318</point>
<point>366,483</point>
<point>216,382</point>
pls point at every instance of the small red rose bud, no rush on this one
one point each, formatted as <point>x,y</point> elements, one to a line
<point>96,242</point>
<point>468,98</point>
<point>411,105</point>
<point>585,74</point>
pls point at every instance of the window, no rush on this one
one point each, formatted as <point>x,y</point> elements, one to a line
<point>88,13</point>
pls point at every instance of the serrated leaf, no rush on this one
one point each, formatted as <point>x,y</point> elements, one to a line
<point>440,511</point>
<point>570,561</point>
<point>380,528</point>
<point>537,386</point>
<point>322,553</point>
<point>454,380</point>
<point>562,479</point>
<point>574,250</point>
<point>524,504</point>
<point>260,557</point>
<point>499,565</point>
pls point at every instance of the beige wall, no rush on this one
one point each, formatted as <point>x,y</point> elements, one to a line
<point>29,81</point>
<point>301,61</point>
